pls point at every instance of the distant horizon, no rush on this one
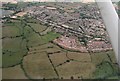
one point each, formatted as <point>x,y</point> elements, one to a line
<point>15,1</point>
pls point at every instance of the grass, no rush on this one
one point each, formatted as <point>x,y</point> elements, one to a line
<point>12,29</point>
<point>112,56</point>
<point>104,65</point>
<point>31,20</point>
<point>13,73</point>
<point>114,77</point>
<point>38,27</point>
<point>50,36</point>
<point>14,49</point>
<point>12,59</point>
<point>14,45</point>
<point>38,66</point>
<point>83,57</point>
<point>104,70</point>
<point>97,58</point>
<point>43,47</point>
<point>12,22</point>
<point>48,47</point>
<point>58,58</point>
<point>46,31</point>
<point>76,69</point>
<point>35,39</point>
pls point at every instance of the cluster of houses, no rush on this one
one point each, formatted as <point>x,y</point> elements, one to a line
<point>83,21</point>
<point>89,22</point>
<point>71,43</point>
<point>80,21</point>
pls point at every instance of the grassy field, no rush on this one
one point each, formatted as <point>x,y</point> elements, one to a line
<point>48,47</point>
<point>13,51</point>
<point>31,20</point>
<point>97,58</point>
<point>105,67</point>
<point>43,47</point>
<point>49,36</point>
<point>76,68</point>
<point>13,73</point>
<point>35,38</point>
<point>112,56</point>
<point>38,27</point>
<point>12,59</point>
<point>58,58</point>
<point>82,57</point>
<point>38,66</point>
<point>103,71</point>
<point>12,29</point>
<point>15,46</point>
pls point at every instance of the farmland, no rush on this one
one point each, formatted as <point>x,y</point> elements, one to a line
<point>41,64</point>
<point>15,73</point>
<point>17,39</point>
<point>30,51</point>
<point>35,56</point>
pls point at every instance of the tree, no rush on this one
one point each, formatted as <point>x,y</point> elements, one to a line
<point>72,77</point>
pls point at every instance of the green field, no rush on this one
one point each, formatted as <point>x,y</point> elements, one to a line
<point>18,38</point>
<point>41,64</point>
<point>13,73</point>
<point>13,51</point>
<point>80,57</point>
<point>38,27</point>
<point>77,69</point>
<point>58,58</point>
<point>12,29</point>
<point>105,69</point>
<point>98,58</point>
